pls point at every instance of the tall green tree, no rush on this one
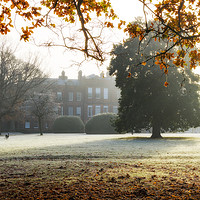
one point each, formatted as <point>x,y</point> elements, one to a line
<point>145,103</point>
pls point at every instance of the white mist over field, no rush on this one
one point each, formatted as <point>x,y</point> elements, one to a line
<point>29,141</point>
<point>101,146</point>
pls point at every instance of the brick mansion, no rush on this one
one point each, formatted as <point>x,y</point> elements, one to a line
<point>83,97</point>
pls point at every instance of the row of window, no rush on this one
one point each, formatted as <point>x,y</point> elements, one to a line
<point>35,125</point>
<point>97,110</point>
<point>70,96</point>
<point>70,111</point>
<point>98,93</point>
<point>90,94</point>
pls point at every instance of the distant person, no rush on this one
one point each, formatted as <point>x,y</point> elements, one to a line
<point>7,136</point>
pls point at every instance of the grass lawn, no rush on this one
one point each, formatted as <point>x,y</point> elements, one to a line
<point>100,167</point>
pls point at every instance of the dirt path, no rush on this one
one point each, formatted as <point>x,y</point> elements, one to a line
<point>108,168</point>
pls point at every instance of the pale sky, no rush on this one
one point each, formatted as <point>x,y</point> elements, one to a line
<point>56,59</point>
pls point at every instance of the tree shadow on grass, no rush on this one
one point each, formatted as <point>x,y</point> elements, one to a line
<point>164,138</point>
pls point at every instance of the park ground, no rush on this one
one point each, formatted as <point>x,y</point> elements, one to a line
<point>83,167</point>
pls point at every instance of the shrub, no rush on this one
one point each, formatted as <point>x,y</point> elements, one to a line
<point>68,124</point>
<point>101,124</point>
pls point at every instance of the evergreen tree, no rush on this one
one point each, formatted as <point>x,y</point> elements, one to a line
<point>145,103</point>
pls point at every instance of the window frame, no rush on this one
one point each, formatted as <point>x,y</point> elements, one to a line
<point>99,109</point>
<point>105,93</point>
<point>59,96</point>
<point>27,124</point>
<point>89,93</point>
<point>69,112</point>
<point>90,111</point>
<point>78,96</point>
<point>104,109</point>
<point>98,93</point>
<point>70,96</point>
<point>78,107</point>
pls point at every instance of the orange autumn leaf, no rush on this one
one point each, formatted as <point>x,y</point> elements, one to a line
<point>129,75</point>
<point>37,15</point>
<point>166,84</point>
<point>176,23</point>
<point>144,63</point>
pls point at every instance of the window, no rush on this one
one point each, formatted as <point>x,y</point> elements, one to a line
<point>61,110</point>
<point>59,96</point>
<point>78,111</point>
<point>78,96</point>
<point>89,111</point>
<point>97,110</point>
<point>70,110</point>
<point>98,93</point>
<point>105,93</point>
<point>27,124</point>
<point>46,125</point>
<point>71,96</point>
<point>35,125</point>
<point>115,109</point>
<point>105,109</point>
<point>89,93</point>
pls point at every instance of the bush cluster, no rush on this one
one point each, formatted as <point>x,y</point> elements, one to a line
<point>101,124</point>
<point>68,124</point>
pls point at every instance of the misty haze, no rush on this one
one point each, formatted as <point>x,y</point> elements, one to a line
<point>99,100</point>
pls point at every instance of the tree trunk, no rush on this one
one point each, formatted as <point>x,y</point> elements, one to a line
<point>40,126</point>
<point>156,130</point>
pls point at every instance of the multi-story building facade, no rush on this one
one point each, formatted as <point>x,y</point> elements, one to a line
<point>83,97</point>
<point>87,96</point>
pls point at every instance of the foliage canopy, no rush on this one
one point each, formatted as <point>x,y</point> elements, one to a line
<point>175,21</point>
<point>144,102</point>
<point>48,13</point>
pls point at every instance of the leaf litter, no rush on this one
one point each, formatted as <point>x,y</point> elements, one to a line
<point>88,173</point>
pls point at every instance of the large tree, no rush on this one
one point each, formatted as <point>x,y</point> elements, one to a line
<point>145,103</point>
<point>17,78</point>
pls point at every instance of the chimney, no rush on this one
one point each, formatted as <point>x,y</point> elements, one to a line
<point>80,75</point>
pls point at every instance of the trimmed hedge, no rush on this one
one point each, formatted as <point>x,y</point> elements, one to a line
<point>68,124</point>
<point>101,124</point>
